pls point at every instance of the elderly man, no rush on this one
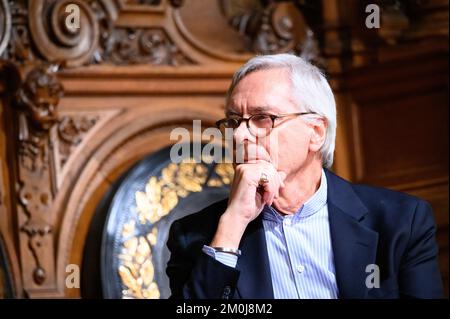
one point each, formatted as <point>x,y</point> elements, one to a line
<point>291,228</point>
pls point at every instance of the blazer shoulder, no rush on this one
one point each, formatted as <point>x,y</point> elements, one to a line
<point>382,194</point>
<point>376,200</point>
<point>394,203</point>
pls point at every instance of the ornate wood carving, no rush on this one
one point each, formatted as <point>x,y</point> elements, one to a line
<point>246,27</point>
<point>403,23</point>
<point>45,143</point>
<point>40,32</point>
<point>19,48</point>
<point>71,130</point>
<point>269,27</point>
<point>97,40</point>
<point>405,20</point>
<point>141,46</point>
<point>37,99</point>
<point>73,45</point>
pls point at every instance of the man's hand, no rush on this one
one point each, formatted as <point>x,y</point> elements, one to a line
<point>246,202</point>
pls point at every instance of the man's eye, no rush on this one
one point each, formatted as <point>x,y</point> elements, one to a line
<point>233,122</point>
<point>261,118</point>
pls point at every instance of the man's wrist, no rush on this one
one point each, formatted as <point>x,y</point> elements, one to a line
<point>229,231</point>
<point>226,250</point>
<point>229,260</point>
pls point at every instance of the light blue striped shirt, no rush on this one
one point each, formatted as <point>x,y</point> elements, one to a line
<point>299,250</point>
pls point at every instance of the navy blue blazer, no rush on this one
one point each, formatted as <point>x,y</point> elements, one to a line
<point>368,225</point>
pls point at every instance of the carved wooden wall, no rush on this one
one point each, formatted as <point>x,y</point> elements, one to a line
<point>78,107</point>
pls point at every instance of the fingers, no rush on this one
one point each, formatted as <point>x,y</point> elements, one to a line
<point>272,187</point>
<point>251,172</point>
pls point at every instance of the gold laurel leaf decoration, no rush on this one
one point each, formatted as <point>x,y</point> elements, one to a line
<point>225,171</point>
<point>129,281</point>
<point>143,251</point>
<point>137,271</point>
<point>128,229</point>
<point>160,197</point>
<point>152,292</point>
<point>152,236</point>
<point>131,245</point>
<point>147,272</point>
<point>132,268</point>
<point>168,202</point>
<point>215,182</point>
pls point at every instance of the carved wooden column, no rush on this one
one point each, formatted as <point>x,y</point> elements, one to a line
<point>34,42</point>
<point>37,99</point>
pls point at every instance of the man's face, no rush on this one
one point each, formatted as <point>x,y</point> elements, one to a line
<point>270,92</point>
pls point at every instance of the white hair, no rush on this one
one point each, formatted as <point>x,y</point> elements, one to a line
<point>311,91</point>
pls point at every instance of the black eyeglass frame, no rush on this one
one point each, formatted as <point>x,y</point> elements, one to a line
<point>273,117</point>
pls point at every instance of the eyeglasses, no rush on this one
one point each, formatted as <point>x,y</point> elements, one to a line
<point>259,125</point>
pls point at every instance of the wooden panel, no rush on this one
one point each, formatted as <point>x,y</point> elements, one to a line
<point>405,140</point>
<point>400,118</point>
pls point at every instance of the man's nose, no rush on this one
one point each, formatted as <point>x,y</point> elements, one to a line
<point>241,134</point>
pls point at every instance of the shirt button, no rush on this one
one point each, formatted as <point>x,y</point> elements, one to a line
<point>226,292</point>
<point>300,268</point>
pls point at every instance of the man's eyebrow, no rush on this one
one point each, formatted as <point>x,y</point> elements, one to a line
<point>253,110</point>
<point>260,109</point>
<point>231,112</point>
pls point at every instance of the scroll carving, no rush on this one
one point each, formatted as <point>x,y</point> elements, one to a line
<point>47,36</point>
<point>55,40</point>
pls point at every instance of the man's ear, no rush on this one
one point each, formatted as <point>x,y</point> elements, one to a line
<point>318,134</point>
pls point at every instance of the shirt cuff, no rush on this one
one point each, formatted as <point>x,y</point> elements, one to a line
<point>227,259</point>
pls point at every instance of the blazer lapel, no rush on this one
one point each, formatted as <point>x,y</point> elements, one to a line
<point>354,245</point>
<point>255,280</point>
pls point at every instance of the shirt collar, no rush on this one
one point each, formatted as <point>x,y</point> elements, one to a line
<point>310,207</point>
